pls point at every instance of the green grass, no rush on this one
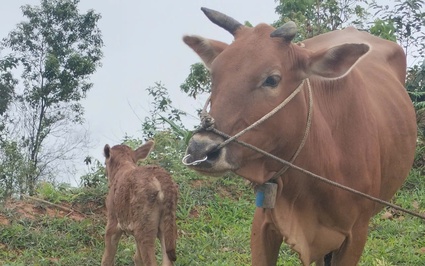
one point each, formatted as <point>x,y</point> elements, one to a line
<point>208,220</point>
<point>214,220</point>
<point>50,241</point>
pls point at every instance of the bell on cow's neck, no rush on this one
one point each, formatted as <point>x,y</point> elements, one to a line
<point>265,196</point>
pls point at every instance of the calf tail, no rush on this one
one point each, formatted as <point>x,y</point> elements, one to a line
<point>170,227</point>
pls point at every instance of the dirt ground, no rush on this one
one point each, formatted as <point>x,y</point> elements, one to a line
<point>31,208</point>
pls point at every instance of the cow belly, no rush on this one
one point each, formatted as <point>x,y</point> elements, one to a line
<point>325,240</point>
<point>306,236</point>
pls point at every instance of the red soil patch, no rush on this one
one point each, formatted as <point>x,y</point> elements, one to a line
<point>3,220</point>
<point>30,209</point>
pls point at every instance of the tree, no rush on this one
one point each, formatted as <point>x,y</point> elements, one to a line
<point>55,50</point>
<point>314,17</point>
<point>12,169</point>
<point>7,83</point>
<point>197,82</point>
<point>415,85</point>
<point>405,23</point>
<point>407,18</point>
<point>163,115</point>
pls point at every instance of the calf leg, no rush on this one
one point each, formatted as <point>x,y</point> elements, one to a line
<point>145,241</point>
<point>112,237</point>
<point>165,259</point>
<point>265,240</point>
<point>167,234</point>
<point>137,258</point>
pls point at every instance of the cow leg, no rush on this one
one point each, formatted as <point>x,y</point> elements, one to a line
<point>265,240</point>
<point>326,261</point>
<point>352,248</point>
<point>112,237</point>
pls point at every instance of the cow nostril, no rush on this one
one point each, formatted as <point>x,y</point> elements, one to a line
<point>213,155</point>
<point>203,152</point>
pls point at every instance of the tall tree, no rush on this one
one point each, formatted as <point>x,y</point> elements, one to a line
<point>56,50</point>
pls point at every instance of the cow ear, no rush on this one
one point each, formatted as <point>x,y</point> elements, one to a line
<point>143,151</point>
<point>336,61</point>
<point>107,151</point>
<point>207,49</point>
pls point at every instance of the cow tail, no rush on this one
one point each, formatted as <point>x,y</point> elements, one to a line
<point>170,227</point>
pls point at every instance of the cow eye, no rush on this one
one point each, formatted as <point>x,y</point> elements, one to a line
<point>271,81</point>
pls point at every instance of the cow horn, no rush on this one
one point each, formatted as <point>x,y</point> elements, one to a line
<point>287,31</point>
<point>222,20</point>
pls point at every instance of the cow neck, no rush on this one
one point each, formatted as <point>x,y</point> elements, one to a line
<point>207,123</point>
<point>306,133</point>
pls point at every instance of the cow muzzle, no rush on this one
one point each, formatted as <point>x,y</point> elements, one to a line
<point>203,156</point>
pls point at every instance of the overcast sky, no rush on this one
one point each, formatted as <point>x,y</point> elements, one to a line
<point>142,46</point>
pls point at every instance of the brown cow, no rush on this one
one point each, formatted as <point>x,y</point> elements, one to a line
<point>362,132</point>
<point>142,201</point>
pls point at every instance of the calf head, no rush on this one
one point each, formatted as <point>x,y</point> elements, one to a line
<point>250,77</point>
<point>120,155</point>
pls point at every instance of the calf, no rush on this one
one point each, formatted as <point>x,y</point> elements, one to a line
<point>142,201</point>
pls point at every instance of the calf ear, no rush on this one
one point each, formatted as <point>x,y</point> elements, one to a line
<point>143,151</point>
<point>207,49</point>
<point>336,61</point>
<point>107,151</point>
